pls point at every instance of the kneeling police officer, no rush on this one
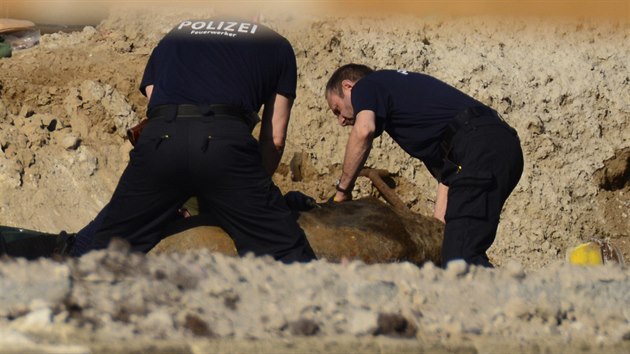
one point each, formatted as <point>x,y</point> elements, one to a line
<point>205,81</point>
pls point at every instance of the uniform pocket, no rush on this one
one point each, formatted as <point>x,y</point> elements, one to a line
<point>468,195</point>
<point>448,171</point>
<point>155,135</point>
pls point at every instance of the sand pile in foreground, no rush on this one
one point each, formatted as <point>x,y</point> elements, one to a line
<point>113,296</point>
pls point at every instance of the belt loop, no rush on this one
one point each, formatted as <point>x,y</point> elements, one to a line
<point>172,113</point>
<point>205,109</point>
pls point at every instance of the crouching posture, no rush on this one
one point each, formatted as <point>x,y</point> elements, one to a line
<point>204,87</point>
<point>473,153</point>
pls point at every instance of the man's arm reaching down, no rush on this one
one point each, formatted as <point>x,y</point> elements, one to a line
<point>273,131</point>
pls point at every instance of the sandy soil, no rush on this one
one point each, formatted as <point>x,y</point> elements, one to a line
<point>66,103</point>
<point>564,85</point>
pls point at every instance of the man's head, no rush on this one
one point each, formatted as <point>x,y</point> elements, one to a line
<point>339,91</point>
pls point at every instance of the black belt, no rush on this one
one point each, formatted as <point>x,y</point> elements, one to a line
<point>468,120</point>
<point>197,110</point>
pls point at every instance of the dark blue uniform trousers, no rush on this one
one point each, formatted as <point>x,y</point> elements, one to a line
<point>490,160</point>
<point>216,159</point>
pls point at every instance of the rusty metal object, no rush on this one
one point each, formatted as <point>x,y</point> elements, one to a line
<point>372,231</point>
<point>365,229</point>
<point>376,176</point>
<point>212,238</point>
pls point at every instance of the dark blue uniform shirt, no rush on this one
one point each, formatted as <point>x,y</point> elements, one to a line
<point>220,61</point>
<point>414,109</point>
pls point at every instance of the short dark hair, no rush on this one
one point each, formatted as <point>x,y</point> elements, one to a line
<point>352,72</point>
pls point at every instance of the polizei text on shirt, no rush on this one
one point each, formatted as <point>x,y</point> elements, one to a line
<point>226,28</point>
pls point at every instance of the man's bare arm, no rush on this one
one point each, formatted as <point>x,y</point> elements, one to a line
<point>357,151</point>
<point>149,91</point>
<point>273,131</point>
<point>441,200</point>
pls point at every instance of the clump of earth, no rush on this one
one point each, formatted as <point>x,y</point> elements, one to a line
<point>66,103</point>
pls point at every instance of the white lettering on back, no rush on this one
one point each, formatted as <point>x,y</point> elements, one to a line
<point>198,25</point>
<point>223,28</point>
<point>230,26</point>
<point>244,27</point>
<point>184,24</point>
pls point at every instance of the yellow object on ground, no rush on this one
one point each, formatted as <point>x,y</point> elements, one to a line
<point>595,252</point>
<point>589,253</point>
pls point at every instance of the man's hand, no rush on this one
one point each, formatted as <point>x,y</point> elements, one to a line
<point>341,197</point>
<point>342,194</point>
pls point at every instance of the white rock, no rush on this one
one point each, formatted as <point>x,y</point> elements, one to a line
<point>362,322</point>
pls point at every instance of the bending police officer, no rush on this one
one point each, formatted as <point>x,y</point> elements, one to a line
<point>475,156</point>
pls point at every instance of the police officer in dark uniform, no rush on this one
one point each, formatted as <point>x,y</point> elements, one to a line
<point>205,80</point>
<point>472,152</point>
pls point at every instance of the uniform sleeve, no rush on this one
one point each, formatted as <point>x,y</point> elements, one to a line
<point>287,81</point>
<point>369,96</point>
<point>150,71</point>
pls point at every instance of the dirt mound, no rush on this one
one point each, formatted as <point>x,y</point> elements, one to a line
<point>119,300</point>
<point>366,229</point>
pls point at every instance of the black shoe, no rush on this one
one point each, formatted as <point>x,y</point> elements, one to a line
<point>64,244</point>
<point>29,244</point>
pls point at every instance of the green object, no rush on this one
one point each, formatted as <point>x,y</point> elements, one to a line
<point>30,244</point>
<point>5,49</point>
